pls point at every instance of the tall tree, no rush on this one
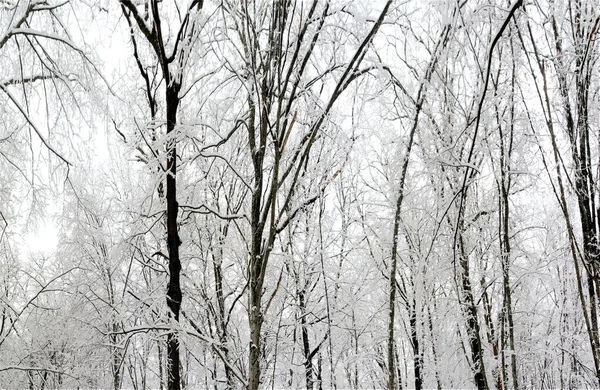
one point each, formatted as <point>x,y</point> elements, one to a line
<point>173,65</point>
<point>278,44</point>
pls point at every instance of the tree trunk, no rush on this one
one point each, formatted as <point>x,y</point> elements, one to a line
<point>578,130</point>
<point>255,322</point>
<point>412,313</point>
<point>174,294</point>
<point>172,82</point>
<point>440,45</point>
<point>470,312</point>
<point>308,367</point>
<point>222,320</point>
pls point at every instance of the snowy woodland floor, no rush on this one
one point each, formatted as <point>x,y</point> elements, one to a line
<point>323,194</point>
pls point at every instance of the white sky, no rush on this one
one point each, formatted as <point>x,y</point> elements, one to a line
<point>43,239</point>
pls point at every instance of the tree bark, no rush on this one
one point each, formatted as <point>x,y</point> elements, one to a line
<point>174,294</point>
<point>470,312</point>
<point>172,81</point>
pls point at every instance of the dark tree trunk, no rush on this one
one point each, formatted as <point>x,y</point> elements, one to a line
<point>174,294</point>
<point>578,131</point>
<point>172,82</point>
<point>414,338</point>
<point>222,320</point>
<point>308,367</point>
<point>473,329</point>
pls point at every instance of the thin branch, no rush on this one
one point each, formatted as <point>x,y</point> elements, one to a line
<point>204,209</point>
<point>35,128</point>
<point>20,368</point>
<point>25,80</point>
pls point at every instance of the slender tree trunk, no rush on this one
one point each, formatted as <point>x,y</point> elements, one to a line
<point>414,337</point>
<point>332,375</point>
<point>356,341</point>
<point>273,94</point>
<point>161,374</point>
<point>255,322</point>
<point>505,184</point>
<point>222,321</point>
<point>255,264</point>
<point>492,336</point>
<point>507,302</point>
<point>578,132</point>
<point>320,371</point>
<point>440,45</point>
<point>470,311</point>
<point>115,350</point>
<point>469,305</point>
<point>172,81</point>
<point>392,298</point>
<point>465,294</point>
<point>308,367</point>
<point>174,294</point>
<point>433,348</point>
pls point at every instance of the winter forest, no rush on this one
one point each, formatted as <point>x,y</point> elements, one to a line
<point>299,194</point>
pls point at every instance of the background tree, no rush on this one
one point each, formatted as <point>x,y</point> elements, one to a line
<point>347,194</point>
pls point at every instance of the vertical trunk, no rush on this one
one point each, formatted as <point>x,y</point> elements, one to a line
<point>355,338</point>
<point>397,215</point>
<point>504,214</point>
<point>491,335</point>
<point>308,368</point>
<point>469,305</point>
<point>415,343</point>
<point>559,189</point>
<point>578,132</point>
<point>320,371</point>
<point>433,348</point>
<point>272,94</point>
<point>470,312</point>
<point>116,366</point>
<point>255,322</point>
<point>505,254</point>
<point>161,374</point>
<point>255,319</point>
<point>114,325</point>
<point>440,45</point>
<point>399,372</point>
<point>174,287</point>
<point>255,291</point>
<point>222,321</point>
<point>172,81</point>
<point>585,190</point>
<point>392,299</point>
<point>44,379</point>
<point>507,303</point>
<point>332,376</point>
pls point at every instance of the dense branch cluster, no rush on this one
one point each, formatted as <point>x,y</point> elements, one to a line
<point>317,194</point>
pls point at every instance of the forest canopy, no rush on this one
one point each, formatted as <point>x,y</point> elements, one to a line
<point>302,194</point>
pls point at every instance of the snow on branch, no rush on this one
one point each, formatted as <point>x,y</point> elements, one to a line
<point>33,125</point>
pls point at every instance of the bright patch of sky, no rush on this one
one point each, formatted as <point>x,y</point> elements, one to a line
<point>42,239</point>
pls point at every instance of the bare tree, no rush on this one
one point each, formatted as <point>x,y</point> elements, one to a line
<point>173,65</point>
